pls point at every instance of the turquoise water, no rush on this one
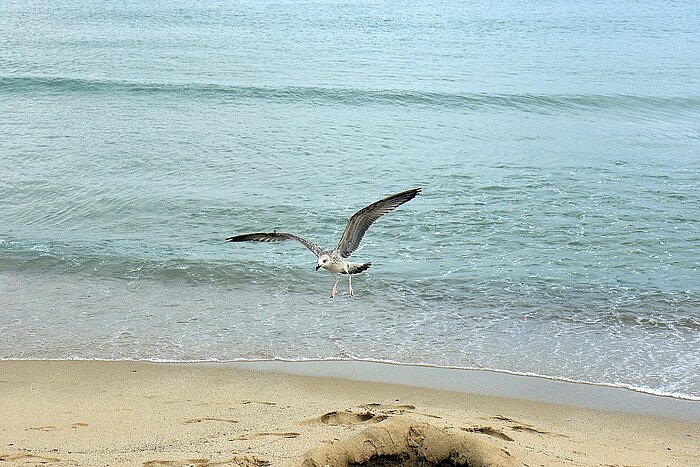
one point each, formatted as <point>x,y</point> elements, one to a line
<point>557,145</point>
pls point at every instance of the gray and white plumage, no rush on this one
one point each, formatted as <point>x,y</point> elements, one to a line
<point>335,261</point>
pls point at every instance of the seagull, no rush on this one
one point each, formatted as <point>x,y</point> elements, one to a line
<point>335,261</point>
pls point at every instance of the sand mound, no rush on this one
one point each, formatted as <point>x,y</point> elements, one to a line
<point>400,441</point>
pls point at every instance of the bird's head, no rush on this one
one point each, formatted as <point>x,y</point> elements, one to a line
<point>323,260</point>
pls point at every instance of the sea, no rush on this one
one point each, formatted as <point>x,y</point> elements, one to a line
<point>556,142</point>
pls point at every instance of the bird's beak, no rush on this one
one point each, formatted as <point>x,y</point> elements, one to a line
<point>318,266</point>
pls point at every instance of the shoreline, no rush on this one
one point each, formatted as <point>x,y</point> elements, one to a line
<point>269,413</point>
<point>486,382</point>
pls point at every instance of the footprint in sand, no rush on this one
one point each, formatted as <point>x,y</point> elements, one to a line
<point>488,430</point>
<point>266,434</point>
<point>530,429</point>
<point>377,406</point>
<point>184,462</point>
<point>55,428</point>
<point>395,409</point>
<point>499,417</point>
<point>234,461</point>
<point>209,419</point>
<point>259,402</point>
<point>519,426</point>
<point>32,459</point>
<point>44,428</point>
<point>369,413</point>
<point>348,417</point>
<point>233,403</point>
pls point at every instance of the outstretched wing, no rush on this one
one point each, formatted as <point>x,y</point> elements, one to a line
<point>362,219</point>
<point>276,237</point>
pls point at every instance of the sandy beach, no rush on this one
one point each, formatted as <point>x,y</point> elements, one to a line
<point>147,414</point>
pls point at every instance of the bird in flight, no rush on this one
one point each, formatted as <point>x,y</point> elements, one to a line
<point>335,261</point>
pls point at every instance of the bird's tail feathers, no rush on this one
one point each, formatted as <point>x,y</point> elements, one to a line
<point>356,268</point>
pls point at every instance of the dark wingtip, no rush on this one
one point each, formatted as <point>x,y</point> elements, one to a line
<point>404,196</point>
<point>242,238</point>
<point>259,237</point>
<point>412,192</point>
<point>409,194</point>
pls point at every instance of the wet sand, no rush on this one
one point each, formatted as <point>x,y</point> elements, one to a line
<point>146,414</point>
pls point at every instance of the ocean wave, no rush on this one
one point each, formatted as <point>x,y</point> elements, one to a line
<point>111,266</point>
<point>319,95</point>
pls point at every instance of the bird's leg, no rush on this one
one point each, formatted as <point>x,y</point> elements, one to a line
<point>345,265</point>
<point>335,289</point>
